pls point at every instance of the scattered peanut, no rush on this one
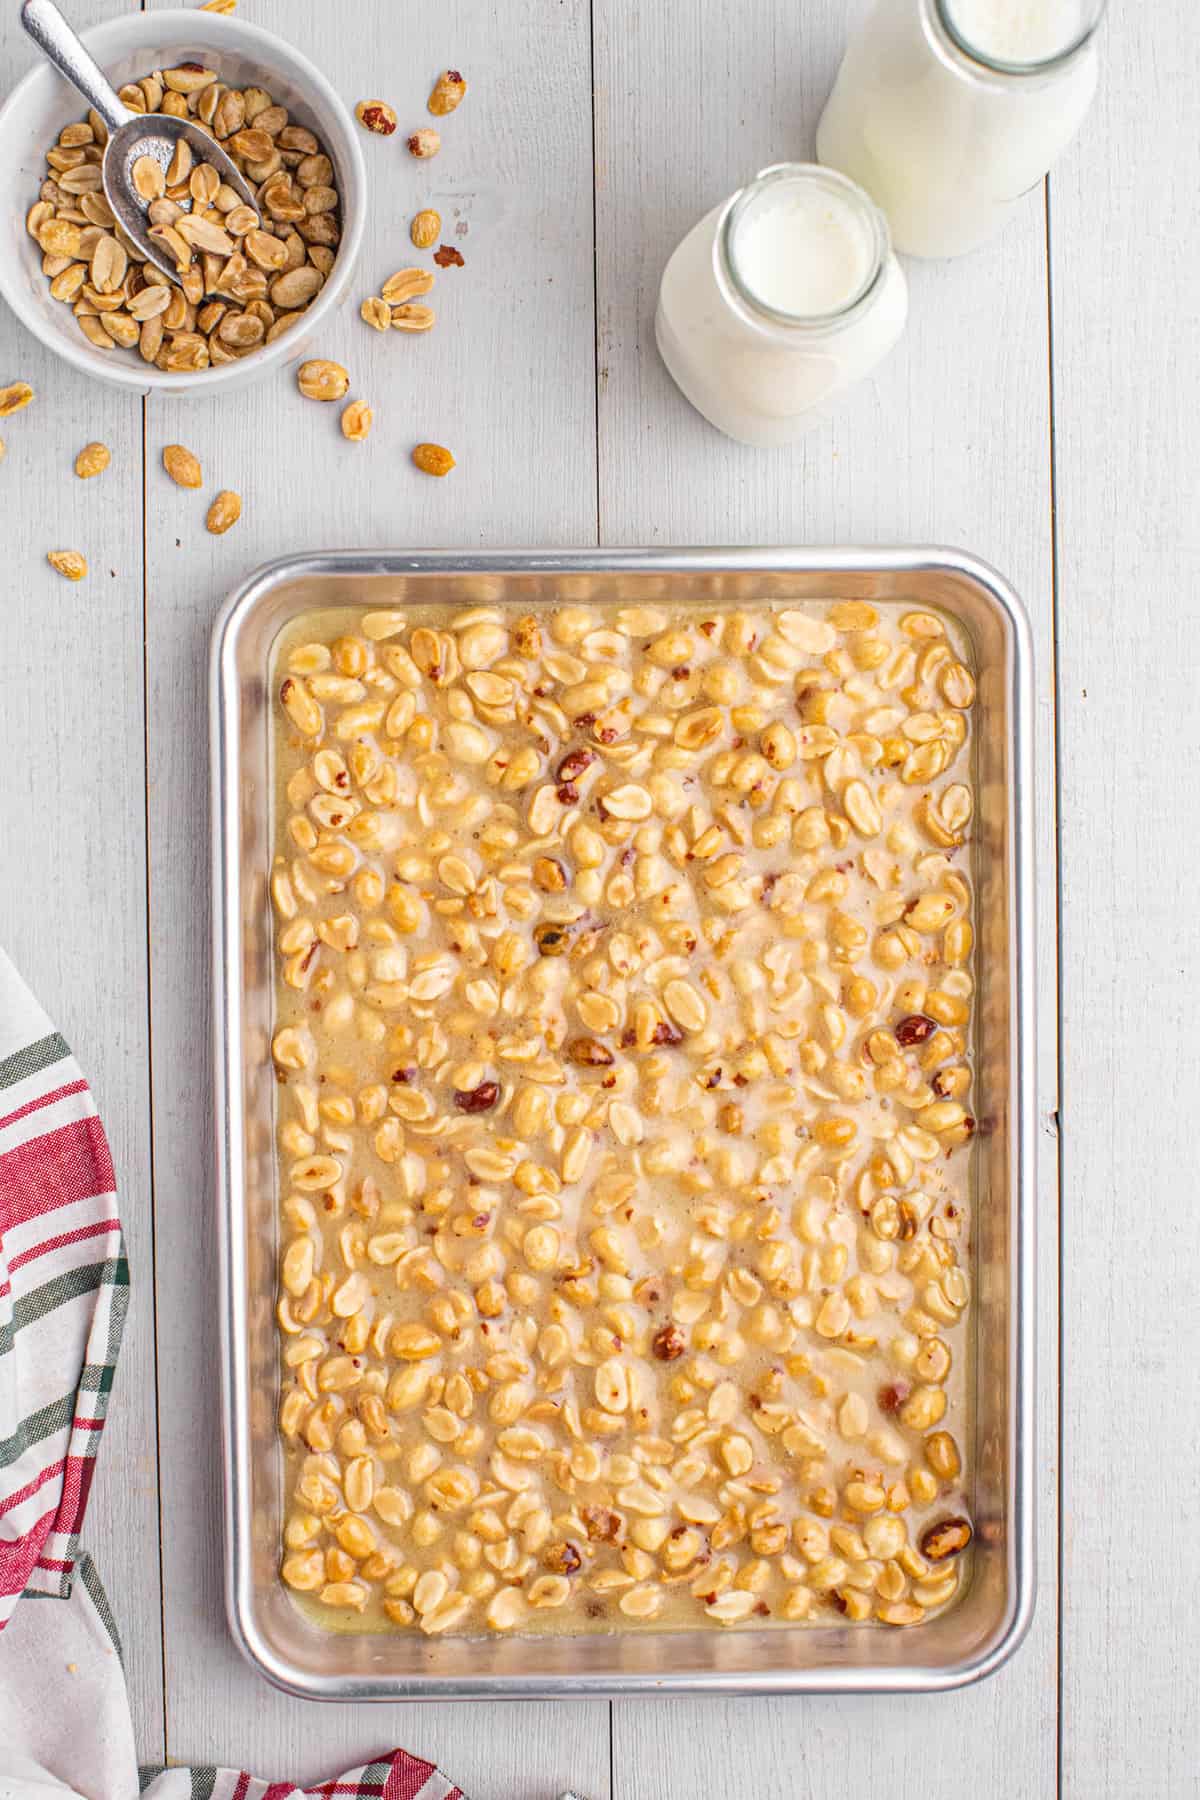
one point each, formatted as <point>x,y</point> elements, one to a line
<point>426,228</point>
<point>68,563</point>
<point>448,92</point>
<point>183,468</point>
<point>357,419</point>
<point>319,380</point>
<point>413,318</point>
<point>425,142</point>
<point>376,116</point>
<point>433,459</point>
<point>14,397</point>
<point>406,284</point>
<point>225,511</point>
<point>93,459</point>
<point>376,312</point>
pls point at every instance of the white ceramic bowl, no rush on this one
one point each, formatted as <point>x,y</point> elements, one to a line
<point>126,48</point>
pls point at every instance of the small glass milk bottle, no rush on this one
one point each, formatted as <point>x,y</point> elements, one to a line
<point>777,300</point>
<point>948,110</point>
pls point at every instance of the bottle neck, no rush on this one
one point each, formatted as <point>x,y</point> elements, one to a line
<point>1009,42</point>
<point>801,251</point>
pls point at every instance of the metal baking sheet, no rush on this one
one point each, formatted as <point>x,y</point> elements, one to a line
<point>979,1630</point>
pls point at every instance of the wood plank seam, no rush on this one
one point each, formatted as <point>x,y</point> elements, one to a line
<point>1058,988</point>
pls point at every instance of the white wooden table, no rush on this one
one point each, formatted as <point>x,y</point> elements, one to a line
<point>1041,411</point>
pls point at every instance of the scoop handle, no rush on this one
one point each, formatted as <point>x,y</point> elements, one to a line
<point>55,39</point>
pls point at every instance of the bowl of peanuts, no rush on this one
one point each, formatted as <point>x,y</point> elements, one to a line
<point>253,284</point>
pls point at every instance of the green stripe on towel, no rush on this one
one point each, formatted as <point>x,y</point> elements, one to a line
<point>90,1577</point>
<point>36,1428</point>
<point>23,1063</point>
<point>204,1780</point>
<point>67,1286</point>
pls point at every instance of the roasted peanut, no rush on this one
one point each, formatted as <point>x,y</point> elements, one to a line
<point>433,459</point>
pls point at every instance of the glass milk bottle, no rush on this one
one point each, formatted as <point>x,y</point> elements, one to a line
<point>777,300</point>
<point>948,110</point>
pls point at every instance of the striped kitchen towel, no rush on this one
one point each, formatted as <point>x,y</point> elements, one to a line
<point>65,1726</point>
<point>64,1287</point>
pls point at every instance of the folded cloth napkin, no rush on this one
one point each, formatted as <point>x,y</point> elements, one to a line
<point>65,1726</point>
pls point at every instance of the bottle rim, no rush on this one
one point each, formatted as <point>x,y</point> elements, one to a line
<point>832,181</point>
<point>957,42</point>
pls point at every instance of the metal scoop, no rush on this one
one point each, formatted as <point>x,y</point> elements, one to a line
<point>130,135</point>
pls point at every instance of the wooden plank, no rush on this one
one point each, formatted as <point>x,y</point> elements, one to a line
<point>1125,275</point>
<point>948,443</point>
<point>506,380</point>
<point>73,902</point>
